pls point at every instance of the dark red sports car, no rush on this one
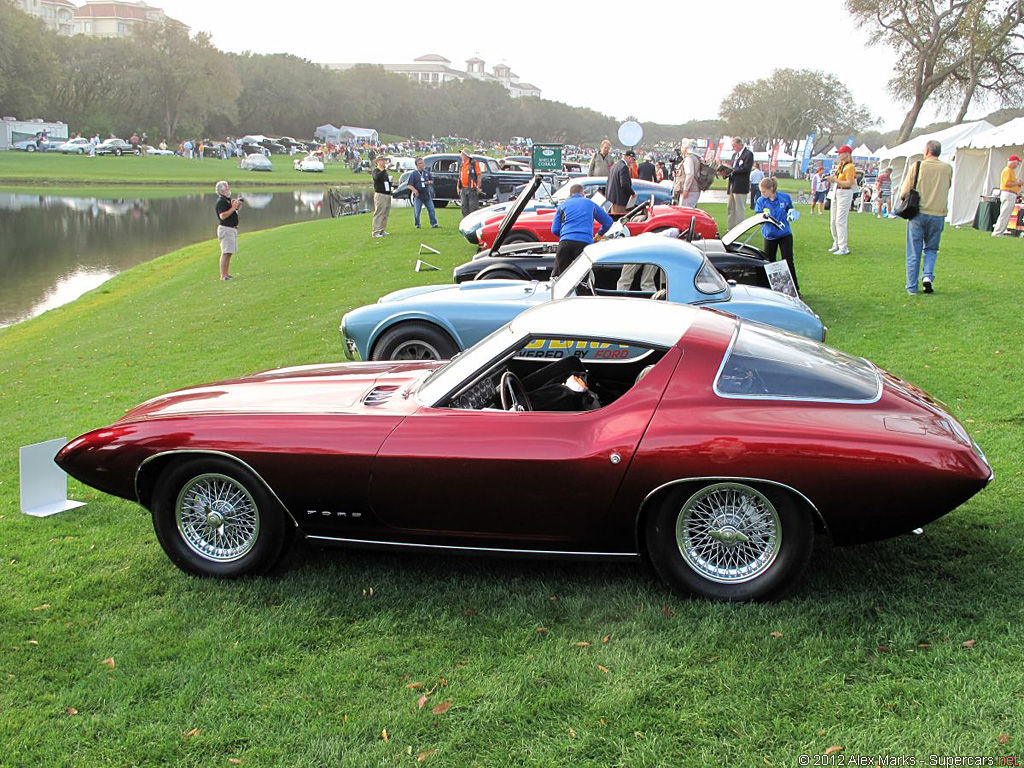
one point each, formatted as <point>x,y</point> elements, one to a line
<point>535,226</point>
<point>589,427</point>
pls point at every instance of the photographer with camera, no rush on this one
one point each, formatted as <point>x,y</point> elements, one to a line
<point>227,226</point>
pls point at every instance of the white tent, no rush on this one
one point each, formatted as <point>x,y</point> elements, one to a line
<point>904,155</point>
<point>863,152</point>
<point>979,161</point>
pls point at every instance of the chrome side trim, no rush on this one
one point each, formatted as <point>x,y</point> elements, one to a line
<point>455,548</point>
<point>211,452</point>
<point>681,480</point>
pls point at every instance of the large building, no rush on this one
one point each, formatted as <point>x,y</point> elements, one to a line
<point>97,18</point>
<point>432,69</point>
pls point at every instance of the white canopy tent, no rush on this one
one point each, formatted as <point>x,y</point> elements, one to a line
<point>909,152</point>
<point>979,161</point>
<point>863,152</point>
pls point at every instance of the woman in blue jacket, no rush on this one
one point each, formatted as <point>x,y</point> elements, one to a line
<point>779,206</point>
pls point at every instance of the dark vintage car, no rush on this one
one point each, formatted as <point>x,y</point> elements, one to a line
<point>494,183</point>
<point>115,147</point>
<point>620,429</point>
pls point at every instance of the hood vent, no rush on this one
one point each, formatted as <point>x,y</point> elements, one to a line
<point>380,395</point>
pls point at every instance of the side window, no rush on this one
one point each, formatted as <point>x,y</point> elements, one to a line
<point>638,280</point>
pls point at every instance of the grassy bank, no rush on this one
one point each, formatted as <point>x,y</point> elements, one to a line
<point>112,656</point>
<point>53,168</point>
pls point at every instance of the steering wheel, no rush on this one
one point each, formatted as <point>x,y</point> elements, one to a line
<point>513,393</point>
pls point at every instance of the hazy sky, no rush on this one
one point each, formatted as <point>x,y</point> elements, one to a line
<point>664,62</point>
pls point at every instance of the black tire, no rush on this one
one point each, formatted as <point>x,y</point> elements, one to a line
<point>779,539</point>
<point>414,341</point>
<point>500,274</point>
<point>80,151</point>
<point>520,237</point>
<point>117,153</point>
<point>30,148</point>
<point>440,203</point>
<point>261,532</point>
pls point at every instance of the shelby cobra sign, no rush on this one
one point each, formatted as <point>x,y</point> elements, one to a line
<point>547,157</point>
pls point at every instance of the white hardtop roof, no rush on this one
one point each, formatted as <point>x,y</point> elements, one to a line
<point>639,320</point>
<point>1009,134</point>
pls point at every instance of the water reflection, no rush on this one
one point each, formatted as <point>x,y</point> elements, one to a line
<point>54,248</point>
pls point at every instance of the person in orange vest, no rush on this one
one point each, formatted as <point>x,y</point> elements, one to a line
<point>469,183</point>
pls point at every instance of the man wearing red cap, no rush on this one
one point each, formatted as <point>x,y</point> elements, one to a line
<point>1009,188</point>
<point>844,179</point>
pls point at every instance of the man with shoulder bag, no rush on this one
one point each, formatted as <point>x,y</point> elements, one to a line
<point>924,202</point>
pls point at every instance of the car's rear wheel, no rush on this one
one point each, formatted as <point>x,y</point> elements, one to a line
<point>730,540</point>
<point>117,153</point>
<point>520,237</point>
<point>440,203</point>
<point>31,148</point>
<point>414,341</point>
<point>80,151</point>
<point>213,517</point>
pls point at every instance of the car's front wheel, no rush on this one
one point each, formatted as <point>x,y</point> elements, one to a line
<point>414,341</point>
<point>80,151</point>
<point>31,148</point>
<point>520,237</point>
<point>730,540</point>
<point>213,517</point>
<point>440,203</point>
<point>117,153</point>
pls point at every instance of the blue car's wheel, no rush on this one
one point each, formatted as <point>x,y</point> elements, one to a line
<point>414,341</point>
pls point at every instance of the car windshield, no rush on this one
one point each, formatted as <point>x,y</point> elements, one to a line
<point>441,382</point>
<point>565,284</point>
<point>768,363</point>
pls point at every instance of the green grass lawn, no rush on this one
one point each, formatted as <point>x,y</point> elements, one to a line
<point>913,645</point>
<point>69,170</point>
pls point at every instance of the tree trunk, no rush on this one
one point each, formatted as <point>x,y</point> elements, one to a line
<point>911,119</point>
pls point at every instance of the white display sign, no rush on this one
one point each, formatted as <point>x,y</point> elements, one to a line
<point>780,278</point>
<point>44,486</point>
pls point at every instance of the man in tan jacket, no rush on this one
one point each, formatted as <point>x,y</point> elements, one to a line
<point>924,231</point>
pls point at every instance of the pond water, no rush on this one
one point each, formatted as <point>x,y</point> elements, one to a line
<point>54,247</point>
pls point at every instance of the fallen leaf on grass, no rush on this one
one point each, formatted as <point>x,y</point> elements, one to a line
<point>190,734</point>
<point>572,733</point>
<point>924,646</point>
<point>443,682</point>
<point>606,638</point>
<point>603,669</point>
<point>581,645</point>
<point>665,610</point>
<point>384,735</point>
<point>467,612</point>
<point>883,649</point>
<point>421,701</point>
<point>412,686</point>
<point>1004,738</point>
<point>33,642</point>
<point>109,662</point>
<point>542,629</point>
<point>768,762</point>
<point>553,598</point>
<point>234,760</point>
<point>424,755</point>
<point>71,710</point>
<point>830,750</point>
<point>441,708</point>
<point>776,634</point>
<point>42,607</point>
<point>969,643</point>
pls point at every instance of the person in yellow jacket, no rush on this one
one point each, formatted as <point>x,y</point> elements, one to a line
<point>924,231</point>
<point>1009,188</point>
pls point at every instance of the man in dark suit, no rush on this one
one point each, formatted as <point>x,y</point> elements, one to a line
<point>620,185</point>
<point>739,182</point>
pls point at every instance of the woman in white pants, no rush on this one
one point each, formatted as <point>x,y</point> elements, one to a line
<point>843,180</point>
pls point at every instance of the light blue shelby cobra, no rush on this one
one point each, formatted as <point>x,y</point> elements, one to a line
<point>438,321</point>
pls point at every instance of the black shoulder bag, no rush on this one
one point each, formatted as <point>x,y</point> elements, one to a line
<point>908,207</point>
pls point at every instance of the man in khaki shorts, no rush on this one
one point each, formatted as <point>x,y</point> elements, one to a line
<point>227,226</point>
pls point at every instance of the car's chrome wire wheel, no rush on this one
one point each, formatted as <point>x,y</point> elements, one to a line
<point>415,350</point>
<point>217,517</point>
<point>728,533</point>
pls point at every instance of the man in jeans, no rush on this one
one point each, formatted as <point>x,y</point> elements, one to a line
<point>925,230</point>
<point>422,185</point>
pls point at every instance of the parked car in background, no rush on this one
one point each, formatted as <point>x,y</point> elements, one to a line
<point>33,145</point>
<point>401,164</point>
<point>438,321</point>
<point>293,145</point>
<point>256,162</point>
<point>445,167</point>
<point>252,148</point>
<point>470,225</point>
<point>309,163</point>
<point>713,448</point>
<point>116,147</point>
<point>151,150</point>
<point>77,146</point>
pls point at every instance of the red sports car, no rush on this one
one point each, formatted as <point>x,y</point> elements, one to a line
<point>588,428</point>
<point>535,226</point>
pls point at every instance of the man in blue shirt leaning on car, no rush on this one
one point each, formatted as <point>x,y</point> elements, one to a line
<point>574,225</point>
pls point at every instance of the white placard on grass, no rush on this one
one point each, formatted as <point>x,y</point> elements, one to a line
<point>44,486</point>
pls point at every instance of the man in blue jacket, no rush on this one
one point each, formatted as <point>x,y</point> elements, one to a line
<point>421,184</point>
<point>574,225</point>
